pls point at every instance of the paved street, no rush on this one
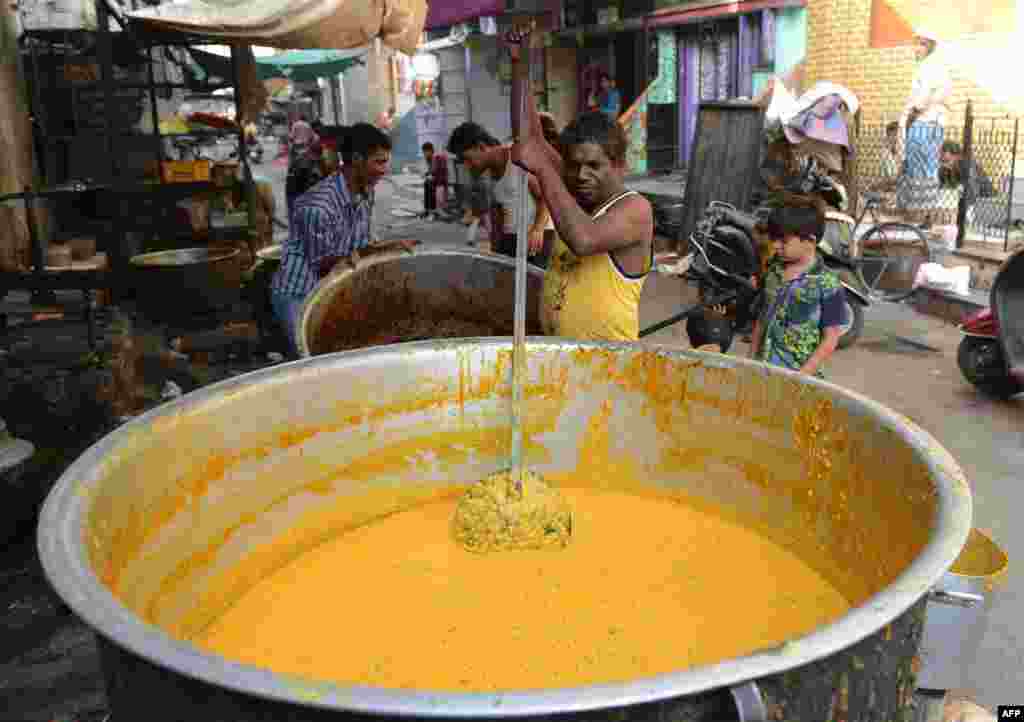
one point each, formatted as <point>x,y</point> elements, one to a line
<point>986,437</point>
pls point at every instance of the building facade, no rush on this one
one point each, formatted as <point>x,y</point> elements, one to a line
<point>866,46</point>
<point>665,61</point>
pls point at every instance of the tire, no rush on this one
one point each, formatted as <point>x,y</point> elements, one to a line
<point>854,325</point>
<point>891,254</point>
<point>981,363</point>
<point>702,330</point>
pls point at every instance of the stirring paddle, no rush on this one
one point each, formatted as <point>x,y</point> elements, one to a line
<point>516,508</point>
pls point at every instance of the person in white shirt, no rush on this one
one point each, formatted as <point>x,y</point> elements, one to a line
<point>481,153</point>
<point>922,130</point>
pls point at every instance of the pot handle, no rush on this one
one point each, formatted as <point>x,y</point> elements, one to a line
<point>957,599</point>
<point>749,701</point>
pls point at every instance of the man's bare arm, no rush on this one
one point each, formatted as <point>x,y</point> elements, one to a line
<point>540,216</point>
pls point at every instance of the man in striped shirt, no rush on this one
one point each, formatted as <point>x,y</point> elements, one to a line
<point>330,223</point>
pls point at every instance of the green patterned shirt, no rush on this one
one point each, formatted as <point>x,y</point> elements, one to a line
<point>796,313</point>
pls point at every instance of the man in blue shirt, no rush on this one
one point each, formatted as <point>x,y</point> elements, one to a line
<point>330,223</point>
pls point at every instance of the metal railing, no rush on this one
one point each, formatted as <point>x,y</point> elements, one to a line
<point>978,194</point>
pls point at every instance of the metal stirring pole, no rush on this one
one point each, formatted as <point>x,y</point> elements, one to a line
<point>519,328</point>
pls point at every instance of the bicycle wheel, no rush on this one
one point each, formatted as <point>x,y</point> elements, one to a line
<point>891,254</point>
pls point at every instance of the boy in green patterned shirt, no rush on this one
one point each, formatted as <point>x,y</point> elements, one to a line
<point>803,310</point>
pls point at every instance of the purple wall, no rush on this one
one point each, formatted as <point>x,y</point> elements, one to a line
<point>450,12</point>
<point>747,52</point>
<point>688,100</point>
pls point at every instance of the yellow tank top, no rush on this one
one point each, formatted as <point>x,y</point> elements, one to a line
<point>590,297</point>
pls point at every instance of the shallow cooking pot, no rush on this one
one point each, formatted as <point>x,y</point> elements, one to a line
<point>143,540</point>
<point>177,284</point>
<point>355,308</point>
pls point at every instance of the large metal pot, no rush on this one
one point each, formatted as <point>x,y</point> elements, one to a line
<point>144,542</point>
<point>176,285</point>
<point>354,308</point>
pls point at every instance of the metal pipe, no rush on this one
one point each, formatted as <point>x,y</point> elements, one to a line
<point>689,311</point>
<point>243,156</point>
<point>968,149</point>
<point>1013,178</point>
<point>154,115</point>
<point>467,71</point>
<point>36,243</point>
<point>341,95</point>
<point>106,62</point>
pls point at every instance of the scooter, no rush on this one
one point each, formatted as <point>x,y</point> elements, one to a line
<point>991,353</point>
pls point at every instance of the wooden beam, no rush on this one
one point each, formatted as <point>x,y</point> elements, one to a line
<point>16,145</point>
<point>697,12</point>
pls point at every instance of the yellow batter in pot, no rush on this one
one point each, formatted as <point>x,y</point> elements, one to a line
<point>649,585</point>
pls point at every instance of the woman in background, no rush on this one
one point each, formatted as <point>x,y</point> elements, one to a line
<point>922,131</point>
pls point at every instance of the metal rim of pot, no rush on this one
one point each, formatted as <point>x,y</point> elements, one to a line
<point>327,286</point>
<point>206,257</point>
<point>67,568</point>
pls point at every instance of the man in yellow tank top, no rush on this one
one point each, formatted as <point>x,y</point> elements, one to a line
<point>603,250</point>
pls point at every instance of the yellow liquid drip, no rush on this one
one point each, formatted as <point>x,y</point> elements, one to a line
<point>648,586</point>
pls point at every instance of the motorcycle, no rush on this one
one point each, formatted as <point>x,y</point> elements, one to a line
<point>724,259</point>
<point>991,353</point>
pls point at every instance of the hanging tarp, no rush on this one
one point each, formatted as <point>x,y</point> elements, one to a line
<point>445,13</point>
<point>293,24</point>
<point>302,65</point>
<point>294,65</point>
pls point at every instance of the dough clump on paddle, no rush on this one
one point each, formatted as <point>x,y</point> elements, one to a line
<point>491,516</point>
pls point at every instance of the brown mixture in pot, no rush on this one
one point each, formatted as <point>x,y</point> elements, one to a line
<point>418,329</point>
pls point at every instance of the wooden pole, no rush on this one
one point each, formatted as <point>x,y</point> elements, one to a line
<point>16,146</point>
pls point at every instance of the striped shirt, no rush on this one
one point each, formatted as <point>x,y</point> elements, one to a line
<point>327,222</point>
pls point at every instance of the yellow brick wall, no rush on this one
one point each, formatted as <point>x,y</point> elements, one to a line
<point>838,49</point>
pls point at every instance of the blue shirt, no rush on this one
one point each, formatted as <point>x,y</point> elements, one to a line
<point>611,102</point>
<point>328,221</point>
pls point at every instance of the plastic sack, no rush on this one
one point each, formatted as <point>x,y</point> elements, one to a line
<point>953,280</point>
<point>782,106</point>
<point>329,24</point>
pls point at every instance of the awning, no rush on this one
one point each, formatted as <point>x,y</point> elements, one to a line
<point>699,12</point>
<point>443,13</point>
<point>293,24</point>
<point>300,65</point>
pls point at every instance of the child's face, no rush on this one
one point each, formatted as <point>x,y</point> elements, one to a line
<point>791,248</point>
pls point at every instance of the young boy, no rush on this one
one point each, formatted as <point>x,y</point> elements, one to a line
<point>804,307</point>
<point>435,185</point>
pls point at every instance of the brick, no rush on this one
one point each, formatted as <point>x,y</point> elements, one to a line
<point>838,33</point>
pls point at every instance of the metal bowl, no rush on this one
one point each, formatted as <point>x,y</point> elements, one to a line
<point>183,257</point>
<point>143,541</point>
<point>354,308</point>
<point>176,286</point>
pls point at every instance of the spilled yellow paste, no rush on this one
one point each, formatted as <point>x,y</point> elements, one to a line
<point>649,585</point>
